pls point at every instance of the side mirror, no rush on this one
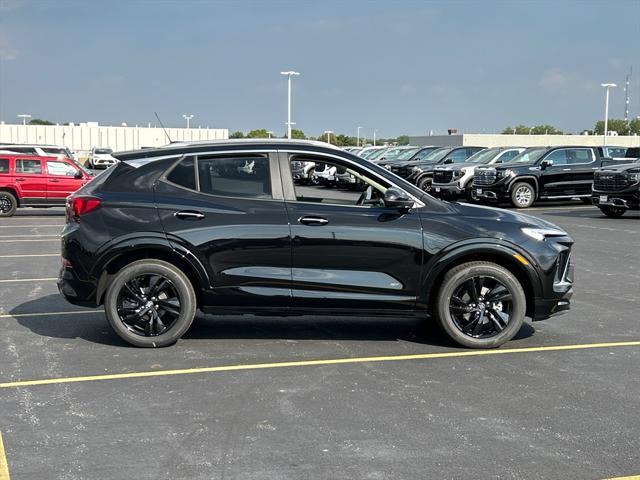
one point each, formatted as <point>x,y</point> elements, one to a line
<point>546,163</point>
<point>448,160</point>
<point>396,198</point>
<point>499,161</point>
<point>78,175</point>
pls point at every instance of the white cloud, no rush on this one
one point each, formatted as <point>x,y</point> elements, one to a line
<point>554,79</point>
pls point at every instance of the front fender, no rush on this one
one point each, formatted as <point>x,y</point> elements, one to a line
<point>477,249</point>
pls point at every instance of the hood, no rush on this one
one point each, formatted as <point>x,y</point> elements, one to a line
<point>622,167</point>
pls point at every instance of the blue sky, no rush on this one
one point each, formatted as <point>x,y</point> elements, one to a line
<point>396,66</point>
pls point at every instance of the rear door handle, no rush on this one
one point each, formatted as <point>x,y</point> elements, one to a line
<point>189,215</point>
<point>313,221</point>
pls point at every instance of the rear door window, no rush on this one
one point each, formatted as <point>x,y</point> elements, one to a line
<point>29,167</point>
<point>577,156</point>
<point>4,165</point>
<point>184,174</point>
<point>244,176</point>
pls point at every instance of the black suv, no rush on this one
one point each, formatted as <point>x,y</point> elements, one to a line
<point>540,173</point>
<point>222,227</point>
<point>616,189</point>
<point>422,174</point>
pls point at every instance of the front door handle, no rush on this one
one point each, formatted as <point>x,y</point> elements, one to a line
<point>20,179</point>
<point>53,180</point>
<point>313,221</point>
<point>189,215</point>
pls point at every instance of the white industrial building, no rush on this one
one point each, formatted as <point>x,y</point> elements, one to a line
<point>82,138</point>
<point>499,140</point>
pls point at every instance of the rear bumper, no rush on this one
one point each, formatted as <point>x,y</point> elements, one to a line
<point>76,291</point>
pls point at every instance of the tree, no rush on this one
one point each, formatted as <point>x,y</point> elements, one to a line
<point>545,130</point>
<point>297,134</point>
<point>237,134</point>
<point>403,140</point>
<point>39,121</point>
<point>619,126</point>
<point>258,133</point>
<point>517,130</point>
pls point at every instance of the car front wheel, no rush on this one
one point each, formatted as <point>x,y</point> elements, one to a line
<point>522,195</point>
<point>480,305</point>
<point>425,184</point>
<point>613,212</point>
<point>150,303</point>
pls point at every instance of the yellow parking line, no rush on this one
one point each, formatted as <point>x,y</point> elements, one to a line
<point>307,363</point>
<point>29,280</point>
<point>44,314</point>
<point>4,465</point>
<point>632,477</point>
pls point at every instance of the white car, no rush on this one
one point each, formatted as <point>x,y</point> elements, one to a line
<point>101,158</point>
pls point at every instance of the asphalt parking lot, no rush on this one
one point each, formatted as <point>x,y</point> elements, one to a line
<point>302,397</point>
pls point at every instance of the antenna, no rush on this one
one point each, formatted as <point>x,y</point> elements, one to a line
<point>165,130</point>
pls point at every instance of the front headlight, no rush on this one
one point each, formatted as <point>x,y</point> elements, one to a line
<point>634,177</point>
<point>509,173</point>
<point>542,233</point>
<point>416,169</point>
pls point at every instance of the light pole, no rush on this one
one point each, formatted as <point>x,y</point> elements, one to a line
<point>289,74</point>
<point>24,117</point>
<point>187,118</point>
<point>269,132</point>
<point>374,137</point>
<point>328,132</point>
<point>358,138</point>
<point>606,86</point>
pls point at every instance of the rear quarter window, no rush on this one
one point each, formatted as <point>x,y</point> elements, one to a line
<point>4,165</point>
<point>33,167</point>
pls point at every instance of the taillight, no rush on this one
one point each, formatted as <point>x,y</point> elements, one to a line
<point>78,206</point>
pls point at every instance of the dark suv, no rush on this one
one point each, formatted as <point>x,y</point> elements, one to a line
<point>222,227</point>
<point>547,173</point>
<point>616,189</point>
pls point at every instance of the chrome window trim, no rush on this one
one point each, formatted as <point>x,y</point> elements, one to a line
<point>417,203</point>
<point>593,157</point>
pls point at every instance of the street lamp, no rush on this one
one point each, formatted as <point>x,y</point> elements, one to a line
<point>269,133</point>
<point>289,74</point>
<point>24,117</point>
<point>328,132</point>
<point>358,138</point>
<point>606,86</point>
<point>187,118</point>
<point>374,137</point>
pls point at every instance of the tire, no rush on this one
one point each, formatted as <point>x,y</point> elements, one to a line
<point>522,195</point>
<point>425,184</point>
<point>455,314</point>
<point>139,331</point>
<point>613,212</point>
<point>8,204</point>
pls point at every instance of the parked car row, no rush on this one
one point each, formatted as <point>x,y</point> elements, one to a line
<point>519,175</point>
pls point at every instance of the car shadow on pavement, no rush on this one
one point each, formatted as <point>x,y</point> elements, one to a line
<point>93,326</point>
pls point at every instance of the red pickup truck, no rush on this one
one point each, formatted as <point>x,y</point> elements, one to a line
<point>34,181</point>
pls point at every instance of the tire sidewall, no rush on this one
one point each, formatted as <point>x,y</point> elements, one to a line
<point>12,200</point>
<point>612,212</point>
<point>455,278</point>
<point>515,188</point>
<point>180,282</point>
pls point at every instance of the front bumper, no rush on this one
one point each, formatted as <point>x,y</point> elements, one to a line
<point>447,190</point>
<point>492,193</point>
<point>629,199</point>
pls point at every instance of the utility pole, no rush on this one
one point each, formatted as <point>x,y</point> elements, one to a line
<point>607,87</point>
<point>627,98</point>
<point>289,74</point>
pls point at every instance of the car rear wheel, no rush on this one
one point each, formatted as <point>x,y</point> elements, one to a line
<point>613,212</point>
<point>8,204</point>
<point>150,303</point>
<point>522,195</point>
<point>480,305</point>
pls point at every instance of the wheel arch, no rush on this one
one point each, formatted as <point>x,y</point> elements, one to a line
<point>13,192</point>
<point>111,262</point>
<point>499,254</point>
<point>530,179</point>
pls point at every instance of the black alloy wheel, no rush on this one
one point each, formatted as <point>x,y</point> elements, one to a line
<point>149,305</point>
<point>481,307</point>
<point>613,212</point>
<point>426,184</point>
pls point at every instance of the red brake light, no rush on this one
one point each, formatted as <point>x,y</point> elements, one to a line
<point>83,205</point>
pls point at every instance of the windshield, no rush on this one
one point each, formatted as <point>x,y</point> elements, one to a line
<point>529,156</point>
<point>407,153</point>
<point>483,156</point>
<point>436,155</point>
<point>394,153</point>
<point>368,153</point>
<point>614,152</point>
<point>81,167</point>
<point>377,154</point>
<point>103,151</point>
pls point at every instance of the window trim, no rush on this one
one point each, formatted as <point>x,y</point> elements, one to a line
<point>276,190</point>
<point>593,157</point>
<point>289,188</point>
